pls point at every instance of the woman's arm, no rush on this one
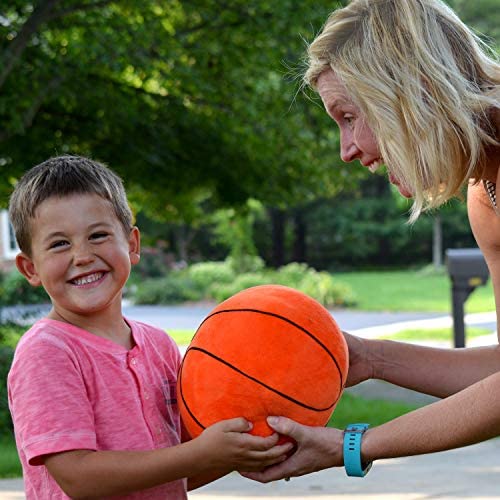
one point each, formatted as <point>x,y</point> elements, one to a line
<point>434,371</point>
<point>468,417</point>
<point>439,372</point>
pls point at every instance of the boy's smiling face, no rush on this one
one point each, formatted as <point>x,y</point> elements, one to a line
<point>80,254</point>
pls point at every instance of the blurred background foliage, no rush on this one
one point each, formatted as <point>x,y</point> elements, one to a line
<point>197,105</point>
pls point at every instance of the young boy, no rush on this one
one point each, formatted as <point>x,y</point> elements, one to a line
<point>92,394</point>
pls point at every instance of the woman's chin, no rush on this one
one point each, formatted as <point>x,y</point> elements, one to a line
<point>403,191</point>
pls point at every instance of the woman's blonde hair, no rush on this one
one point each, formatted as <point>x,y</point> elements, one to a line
<point>426,83</point>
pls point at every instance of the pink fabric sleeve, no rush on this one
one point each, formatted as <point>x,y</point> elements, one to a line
<point>49,401</point>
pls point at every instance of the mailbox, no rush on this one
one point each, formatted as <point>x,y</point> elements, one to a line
<point>468,270</point>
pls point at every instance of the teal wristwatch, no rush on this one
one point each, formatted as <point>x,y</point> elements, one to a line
<point>352,450</point>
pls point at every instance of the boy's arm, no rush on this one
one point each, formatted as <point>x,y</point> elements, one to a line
<point>201,479</point>
<point>224,446</point>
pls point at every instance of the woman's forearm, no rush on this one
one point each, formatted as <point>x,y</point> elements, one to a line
<point>468,417</point>
<point>434,371</point>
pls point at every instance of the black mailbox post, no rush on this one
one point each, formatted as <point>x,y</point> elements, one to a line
<point>468,270</point>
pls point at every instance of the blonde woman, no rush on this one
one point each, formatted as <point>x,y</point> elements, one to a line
<point>411,87</point>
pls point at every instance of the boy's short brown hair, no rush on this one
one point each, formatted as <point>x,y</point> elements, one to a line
<point>62,176</point>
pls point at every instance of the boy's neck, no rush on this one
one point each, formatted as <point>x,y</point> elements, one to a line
<point>114,327</point>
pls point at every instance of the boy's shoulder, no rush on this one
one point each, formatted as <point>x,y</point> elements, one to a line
<point>41,330</point>
<point>59,336</point>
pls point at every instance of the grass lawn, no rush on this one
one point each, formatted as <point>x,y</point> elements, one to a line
<point>374,412</point>
<point>183,337</point>
<point>9,461</point>
<point>437,334</point>
<point>411,291</point>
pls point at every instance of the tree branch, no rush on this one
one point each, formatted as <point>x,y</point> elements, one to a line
<point>43,13</point>
<point>15,49</point>
<point>78,8</point>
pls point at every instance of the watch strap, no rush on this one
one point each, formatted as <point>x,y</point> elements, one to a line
<point>353,434</point>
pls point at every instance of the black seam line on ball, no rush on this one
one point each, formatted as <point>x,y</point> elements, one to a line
<point>184,400</point>
<point>257,381</point>
<point>288,321</point>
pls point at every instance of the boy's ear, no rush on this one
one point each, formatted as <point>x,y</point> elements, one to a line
<point>134,246</point>
<point>27,269</point>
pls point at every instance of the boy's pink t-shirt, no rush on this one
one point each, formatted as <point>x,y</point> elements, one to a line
<point>72,390</point>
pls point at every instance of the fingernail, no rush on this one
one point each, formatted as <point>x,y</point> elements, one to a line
<point>272,420</point>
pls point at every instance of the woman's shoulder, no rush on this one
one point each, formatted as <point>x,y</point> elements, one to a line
<point>484,219</point>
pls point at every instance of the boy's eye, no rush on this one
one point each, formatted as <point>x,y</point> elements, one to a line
<point>98,235</point>
<point>58,244</point>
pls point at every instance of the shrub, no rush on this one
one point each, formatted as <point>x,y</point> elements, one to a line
<point>205,274</point>
<point>173,288</point>
<point>329,292</point>
<point>16,290</point>
<point>318,285</point>
<point>246,264</point>
<point>218,281</point>
<point>154,263</point>
<point>10,333</point>
<point>6,356</point>
<point>247,280</point>
<point>292,274</point>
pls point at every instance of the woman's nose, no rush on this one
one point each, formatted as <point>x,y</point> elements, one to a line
<point>348,149</point>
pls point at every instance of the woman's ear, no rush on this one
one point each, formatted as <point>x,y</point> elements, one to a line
<point>27,268</point>
<point>134,245</point>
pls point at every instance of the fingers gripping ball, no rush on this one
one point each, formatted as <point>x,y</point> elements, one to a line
<point>268,350</point>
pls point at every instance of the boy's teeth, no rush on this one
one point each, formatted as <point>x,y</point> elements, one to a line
<point>88,279</point>
<point>374,166</point>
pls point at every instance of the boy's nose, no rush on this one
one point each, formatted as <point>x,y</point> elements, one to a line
<point>82,256</point>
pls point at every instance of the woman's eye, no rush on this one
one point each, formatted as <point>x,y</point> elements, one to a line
<point>349,119</point>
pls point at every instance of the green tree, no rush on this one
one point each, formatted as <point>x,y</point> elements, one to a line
<point>188,101</point>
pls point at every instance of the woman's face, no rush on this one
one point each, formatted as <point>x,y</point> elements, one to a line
<point>357,141</point>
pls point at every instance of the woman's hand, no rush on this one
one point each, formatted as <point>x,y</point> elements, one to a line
<point>360,366</point>
<point>317,448</point>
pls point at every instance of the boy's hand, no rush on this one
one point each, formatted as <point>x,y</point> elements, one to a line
<point>228,446</point>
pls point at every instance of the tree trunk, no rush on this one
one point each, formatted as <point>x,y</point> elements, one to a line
<point>183,236</point>
<point>278,236</point>
<point>300,231</point>
<point>437,242</point>
<point>15,49</point>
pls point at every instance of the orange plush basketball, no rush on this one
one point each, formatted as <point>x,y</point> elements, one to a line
<point>268,350</point>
